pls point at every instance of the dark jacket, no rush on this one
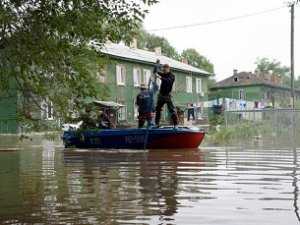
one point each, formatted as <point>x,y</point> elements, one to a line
<point>167,81</point>
<point>144,102</point>
<point>145,99</point>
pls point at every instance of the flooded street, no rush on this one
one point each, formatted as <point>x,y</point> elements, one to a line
<point>43,184</point>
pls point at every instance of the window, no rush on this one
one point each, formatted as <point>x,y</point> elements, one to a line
<point>137,77</point>
<point>242,94</point>
<point>174,86</point>
<point>122,114</point>
<point>199,85</point>
<point>189,84</point>
<point>102,75</point>
<point>136,111</point>
<point>268,95</point>
<point>47,110</point>
<point>199,112</point>
<point>146,76</point>
<point>121,74</point>
<point>235,79</point>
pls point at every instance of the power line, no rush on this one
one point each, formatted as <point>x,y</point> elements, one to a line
<point>218,20</point>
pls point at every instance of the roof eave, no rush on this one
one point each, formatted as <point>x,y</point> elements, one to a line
<point>152,64</point>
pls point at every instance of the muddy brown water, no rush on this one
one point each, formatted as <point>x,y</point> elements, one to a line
<point>40,183</point>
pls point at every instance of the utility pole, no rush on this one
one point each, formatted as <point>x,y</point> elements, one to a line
<point>293,54</point>
<point>292,6</point>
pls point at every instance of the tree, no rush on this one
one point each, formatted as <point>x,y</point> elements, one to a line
<point>151,41</point>
<point>45,45</point>
<point>195,59</point>
<point>265,65</point>
<point>297,82</point>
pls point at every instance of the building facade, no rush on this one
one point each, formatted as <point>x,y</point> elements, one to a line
<point>8,109</point>
<point>256,90</point>
<point>126,69</point>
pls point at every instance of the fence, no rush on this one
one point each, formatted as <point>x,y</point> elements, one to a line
<point>276,125</point>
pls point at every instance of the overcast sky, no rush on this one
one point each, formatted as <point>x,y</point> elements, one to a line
<point>228,45</point>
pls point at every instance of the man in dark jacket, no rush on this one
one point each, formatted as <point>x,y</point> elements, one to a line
<point>164,97</point>
<point>145,103</point>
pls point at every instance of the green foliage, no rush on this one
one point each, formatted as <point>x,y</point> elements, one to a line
<point>211,82</point>
<point>151,41</point>
<point>52,136</point>
<point>215,120</point>
<point>30,125</point>
<point>244,131</point>
<point>265,65</point>
<point>195,59</point>
<point>45,45</point>
<point>297,82</point>
<point>221,136</point>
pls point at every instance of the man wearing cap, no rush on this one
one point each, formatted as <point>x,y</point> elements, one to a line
<point>164,97</point>
<point>145,104</point>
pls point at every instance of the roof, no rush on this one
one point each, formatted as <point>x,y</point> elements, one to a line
<point>250,79</point>
<point>127,53</point>
<point>108,104</point>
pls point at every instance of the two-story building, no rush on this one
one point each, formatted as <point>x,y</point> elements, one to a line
<point>256,89</point>
<point>126,69</point>
<point>129,67</point>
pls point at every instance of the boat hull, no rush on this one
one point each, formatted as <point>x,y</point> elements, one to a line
<point>161,138</point>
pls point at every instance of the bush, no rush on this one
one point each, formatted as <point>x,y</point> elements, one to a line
<point>242,131</point>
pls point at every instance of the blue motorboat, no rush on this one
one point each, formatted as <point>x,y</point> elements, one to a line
<point>154,138</point>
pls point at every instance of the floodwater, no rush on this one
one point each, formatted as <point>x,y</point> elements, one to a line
<point>43,184</point>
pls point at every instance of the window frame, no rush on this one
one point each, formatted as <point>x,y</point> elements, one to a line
<point>46,108</point>
<point>242,94</point>
<point>102,74</point>
<point>199,86</point>
<point>174,86</point>
<point>137,77</point>
<point>145,78</point>
<point>121,75</point>
<point>189,84</point>
<point>135,111</point>
<point>122,113</point>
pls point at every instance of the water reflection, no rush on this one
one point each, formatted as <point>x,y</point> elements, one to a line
<point>44,184</point>
<point>133,183</point>
<point>295,182</point>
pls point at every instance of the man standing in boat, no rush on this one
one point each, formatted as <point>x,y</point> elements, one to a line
<point>164,97</point>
